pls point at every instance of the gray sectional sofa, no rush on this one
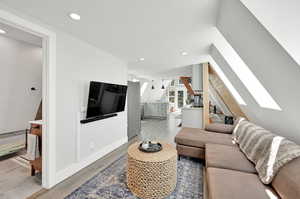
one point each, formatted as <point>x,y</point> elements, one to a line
<point>229,173</point>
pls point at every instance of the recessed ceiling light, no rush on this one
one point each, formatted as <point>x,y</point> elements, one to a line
<point>75,16</point>
<point>184,53</point>
<point>2,31</point>
<point>142,59</point>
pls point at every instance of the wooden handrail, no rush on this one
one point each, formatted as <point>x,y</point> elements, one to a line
<point>186,82</point>
<point>221,89</point>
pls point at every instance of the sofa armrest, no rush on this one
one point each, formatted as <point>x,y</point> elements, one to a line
<point>219,128</point>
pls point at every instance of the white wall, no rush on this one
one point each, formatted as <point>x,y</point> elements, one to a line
<point>21,69</point>
<point>77,64</point>
<point>157,94</point>
<point>197,78</point>
<point>281,19</point>
<point>271,64</point>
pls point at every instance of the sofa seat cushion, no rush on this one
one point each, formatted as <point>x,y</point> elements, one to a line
<point>190,151</point>
<point>287,181</point>
<point>198,137</point>
<point>227,157</point>
<point>230,184</point>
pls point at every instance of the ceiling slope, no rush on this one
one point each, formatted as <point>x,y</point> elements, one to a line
<point>159,31</point>
<point>281,19</point>
<point>268,61</point>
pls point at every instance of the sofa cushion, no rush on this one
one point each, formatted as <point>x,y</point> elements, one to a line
<point>219,128</point>
<point>280,152</point>
<point>227,157</point>
<point>230,184</point>
<point>236,125</point>
<point>190,151</point>
<point>198,138</point>
<point>287,181</point>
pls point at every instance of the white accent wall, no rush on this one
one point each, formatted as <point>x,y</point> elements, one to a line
<point>78,63</point>
<point>21,69</point>
<point>197,77</point>
<point>157,94</point>
<point>271,64</point>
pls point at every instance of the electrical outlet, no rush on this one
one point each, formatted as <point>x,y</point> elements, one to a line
<point>92,146</point>
<point>83,109</point>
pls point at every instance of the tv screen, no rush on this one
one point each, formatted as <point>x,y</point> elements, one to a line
<point>105,99</point>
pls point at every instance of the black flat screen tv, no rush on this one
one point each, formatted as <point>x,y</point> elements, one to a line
<point>105,99</point>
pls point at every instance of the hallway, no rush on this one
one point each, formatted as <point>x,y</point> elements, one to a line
<point>158,129</point>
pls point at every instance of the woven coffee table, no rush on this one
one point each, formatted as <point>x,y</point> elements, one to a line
<point>152,175</point>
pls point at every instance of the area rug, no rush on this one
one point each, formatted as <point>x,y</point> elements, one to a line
<point>111,182</point>
<point>12,142</point>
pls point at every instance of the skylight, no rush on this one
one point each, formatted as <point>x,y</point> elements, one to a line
<point>257,90</point>
<point>227,83</point>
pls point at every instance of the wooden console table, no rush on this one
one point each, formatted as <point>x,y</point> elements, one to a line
<point>36,129</point>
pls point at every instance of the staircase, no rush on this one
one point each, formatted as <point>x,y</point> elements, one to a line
<point>186,81</point>
<point>222,91</point>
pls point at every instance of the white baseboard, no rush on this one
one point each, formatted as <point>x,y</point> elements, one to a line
<point>74,168</point>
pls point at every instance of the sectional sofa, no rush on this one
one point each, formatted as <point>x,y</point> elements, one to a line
<point>228,172</point>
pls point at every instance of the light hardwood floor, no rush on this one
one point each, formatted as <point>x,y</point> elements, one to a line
<point>154,129</point>
<point>15,180</point>
<point>69,185</point>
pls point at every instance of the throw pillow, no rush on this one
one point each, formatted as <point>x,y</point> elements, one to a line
<point>236,125</point>
<point>279,152</point>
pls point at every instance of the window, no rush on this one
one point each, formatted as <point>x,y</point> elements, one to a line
<point>172,99</point>
<point>172,93</point>
<point>180,99</point>
<point>173,83</point>
<point>256,89</point>
<point>227,83</point>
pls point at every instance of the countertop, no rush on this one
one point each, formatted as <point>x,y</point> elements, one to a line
<point>192,108</point>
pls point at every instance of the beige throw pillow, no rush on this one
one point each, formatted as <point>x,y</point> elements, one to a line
<point>252,140</point>
<point>236,127</point>
<point>269,152</point>
<point>280,152</point>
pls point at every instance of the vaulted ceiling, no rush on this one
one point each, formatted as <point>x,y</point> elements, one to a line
<point>157,30</point>
<point>263,38</point>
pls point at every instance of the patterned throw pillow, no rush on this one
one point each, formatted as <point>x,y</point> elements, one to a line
<point>252,140</point>
<point>279,152</point>
<point>269,152</point>
<point>236,126</point>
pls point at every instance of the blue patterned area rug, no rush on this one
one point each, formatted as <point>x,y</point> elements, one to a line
<point>111,182</point>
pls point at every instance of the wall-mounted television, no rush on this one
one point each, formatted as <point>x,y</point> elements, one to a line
<point>105,99</point>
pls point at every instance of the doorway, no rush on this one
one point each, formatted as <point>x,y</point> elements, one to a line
<point>21,112</point>
<point>48,40</point>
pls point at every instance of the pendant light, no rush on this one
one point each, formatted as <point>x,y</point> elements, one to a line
<point>152,85</point>
<point>163,86</point>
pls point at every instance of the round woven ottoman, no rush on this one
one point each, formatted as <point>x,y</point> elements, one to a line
<point>152,175</point>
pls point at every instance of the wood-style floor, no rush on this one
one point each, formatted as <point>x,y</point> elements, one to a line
<point>164,130</point>
<point>15,180</point>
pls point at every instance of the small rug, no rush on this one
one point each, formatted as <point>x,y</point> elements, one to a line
<point>111,182</point>
<point>12,142</point>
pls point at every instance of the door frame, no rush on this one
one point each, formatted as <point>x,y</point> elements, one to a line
<point>48,92</point>
<point>129,111</point>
